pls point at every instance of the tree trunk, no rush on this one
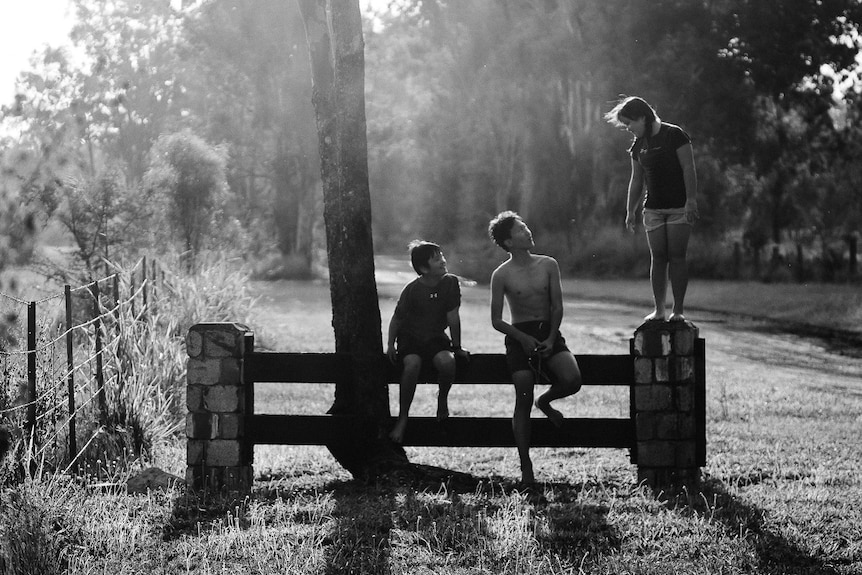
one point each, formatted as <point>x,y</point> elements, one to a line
<point>336,47</point>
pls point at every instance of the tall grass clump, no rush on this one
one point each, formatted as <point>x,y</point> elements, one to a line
<point>149,358</point>
<point>41,523</point>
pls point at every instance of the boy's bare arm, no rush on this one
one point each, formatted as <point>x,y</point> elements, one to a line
<point>454,319</point>
<point>394,327</point>
<point>498,289</point>
<point>555,293</point>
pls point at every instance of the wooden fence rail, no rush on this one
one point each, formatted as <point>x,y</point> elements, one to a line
<point>481,369</point>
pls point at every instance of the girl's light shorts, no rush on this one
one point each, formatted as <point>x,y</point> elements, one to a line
<point>654,219</point>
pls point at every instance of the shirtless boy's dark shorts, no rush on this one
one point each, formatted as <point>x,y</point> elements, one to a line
<point>516,358</point>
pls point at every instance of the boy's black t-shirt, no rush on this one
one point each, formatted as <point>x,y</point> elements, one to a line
<point>662,171</point>
<point>422,309</point>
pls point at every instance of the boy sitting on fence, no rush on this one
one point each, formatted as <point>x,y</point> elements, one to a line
<point>426,307</point>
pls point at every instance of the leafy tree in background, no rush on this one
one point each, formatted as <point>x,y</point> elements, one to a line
<point>254,94</point>
<point>131,89</point>
<point>92,211</point>
<point>472,106</point>
<point>499,102</point>
<point>186,179</point>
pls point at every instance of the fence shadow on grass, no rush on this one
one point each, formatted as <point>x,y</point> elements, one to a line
<point>776,555</point>
<point>425,517</point>
<point>435,516</point>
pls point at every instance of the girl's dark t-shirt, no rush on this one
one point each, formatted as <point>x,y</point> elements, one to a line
<point>662,171</point>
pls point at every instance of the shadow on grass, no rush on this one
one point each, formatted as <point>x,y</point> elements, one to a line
<point>194,512</point>
<point>434,518</point>
<point>428,518</point>
<point>776,555</point>
<point>358,542</point>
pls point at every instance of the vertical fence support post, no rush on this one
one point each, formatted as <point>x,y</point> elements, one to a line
<point>218,455</point>
<point>31,367</point>
<point>145,284</point>
<point>70,377</point>
<point>669,404</point>
<point>100,372</point>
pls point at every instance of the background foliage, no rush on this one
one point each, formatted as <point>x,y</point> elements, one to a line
<point>473,107</point>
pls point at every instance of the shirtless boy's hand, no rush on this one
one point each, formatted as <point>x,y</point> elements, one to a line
<point>545,347</point>
<point>529,343</point>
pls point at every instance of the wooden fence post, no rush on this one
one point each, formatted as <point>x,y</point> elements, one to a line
<point>30,423</point>
<point>101,396</point>
<point>669,406</point>
<point>70,377</point>
<point>218,456</point>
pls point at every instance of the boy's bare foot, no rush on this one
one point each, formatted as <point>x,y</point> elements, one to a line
<point>655,316</point>
<point>555,416</point>
<point>676,317</point>
<point>442,406</point>
<point>397,433</point>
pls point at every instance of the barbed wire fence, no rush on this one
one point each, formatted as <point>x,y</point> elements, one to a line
<point>59,356</point>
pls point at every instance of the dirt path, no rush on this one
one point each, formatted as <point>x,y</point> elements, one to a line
<point>750,348</point>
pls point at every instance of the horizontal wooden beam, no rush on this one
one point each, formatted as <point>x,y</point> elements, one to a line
<point>454,432</point>
<point>482,368</point>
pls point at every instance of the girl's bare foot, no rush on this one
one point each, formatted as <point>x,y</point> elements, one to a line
<point>655,316</point>
<point>676,317</point>
<point>555,416</point>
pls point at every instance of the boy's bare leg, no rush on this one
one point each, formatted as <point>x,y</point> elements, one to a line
<point>407,389</point>
<point>444,362</point>
<point>567,382</point>
<point>657,240</point>
<point>677,242</point>
<point>521,426</point>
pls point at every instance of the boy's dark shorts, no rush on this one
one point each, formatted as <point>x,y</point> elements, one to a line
<point>516,358</point>
<point>426,350</point>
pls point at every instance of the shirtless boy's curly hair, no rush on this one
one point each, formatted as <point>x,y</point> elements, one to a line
<point>500,228</point>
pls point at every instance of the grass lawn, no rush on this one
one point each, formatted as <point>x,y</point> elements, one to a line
<point>781,491</point>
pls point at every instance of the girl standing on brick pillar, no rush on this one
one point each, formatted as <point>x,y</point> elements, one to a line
<point>662,166</point>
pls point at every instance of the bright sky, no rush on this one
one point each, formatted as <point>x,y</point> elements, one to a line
<point>25,27</point>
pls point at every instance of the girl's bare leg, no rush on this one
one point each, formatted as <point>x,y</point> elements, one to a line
<point>658,248</point>
<point>677,242</point>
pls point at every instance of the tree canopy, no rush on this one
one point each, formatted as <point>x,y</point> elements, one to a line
<point>472,107</point>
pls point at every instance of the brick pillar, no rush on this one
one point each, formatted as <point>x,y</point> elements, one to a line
<point>218,457</point>
<point>668,404</point>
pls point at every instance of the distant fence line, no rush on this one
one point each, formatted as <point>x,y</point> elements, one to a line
<point>60,371</point>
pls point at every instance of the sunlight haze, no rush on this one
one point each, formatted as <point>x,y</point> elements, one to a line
<point>27,26</point>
